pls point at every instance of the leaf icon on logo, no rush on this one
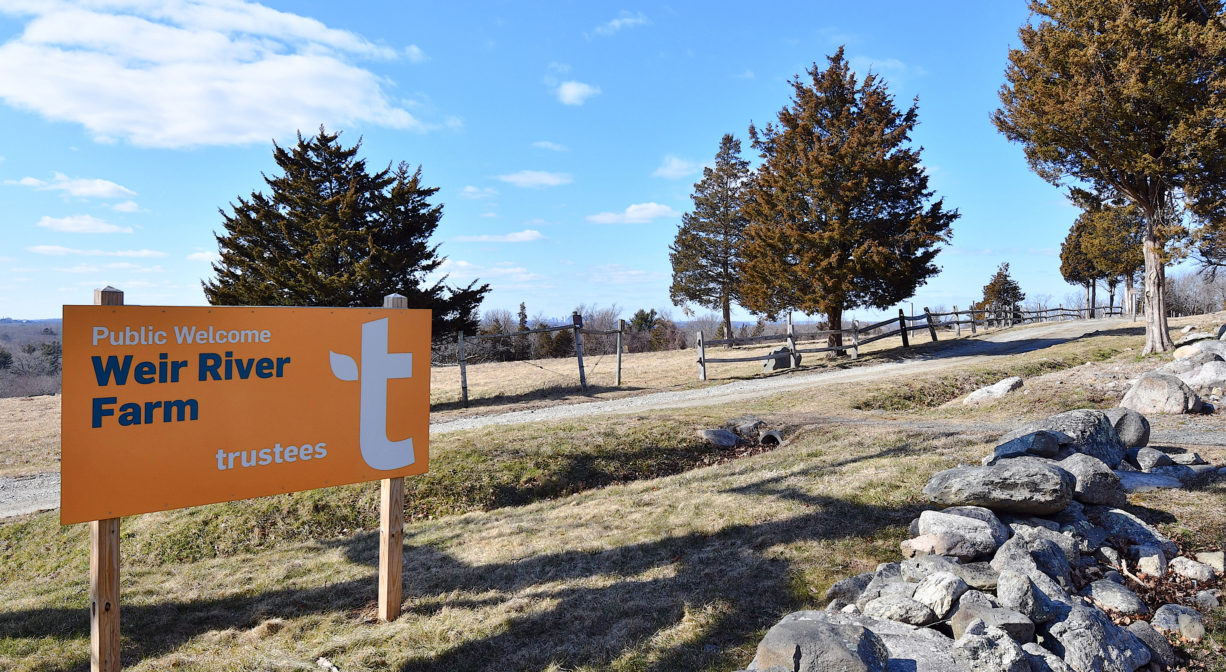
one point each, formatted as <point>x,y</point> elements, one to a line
<point>343,366</point>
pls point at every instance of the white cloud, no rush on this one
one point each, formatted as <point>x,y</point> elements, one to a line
<point>76,186</point>
<point>525,236</point>
<point>415,54</point>
<point>477,193</point>
<point>59,251</point>
<point>536,179</point>
<point>209,257</point>
<point>183,74</point>
<point>81,224</point>
<point>126,206</point>
<point>576,93</point>
<point>675,168</point>
<point>505,271</point>
<point>551,146</point>
<point>624,20</point>
<point>616,274</point>
<point>892,69</point>
<point>117,266</point>
<point>744,74</point>
<point>639,213</point>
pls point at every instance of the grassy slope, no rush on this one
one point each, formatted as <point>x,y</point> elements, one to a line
<point>663,573</point>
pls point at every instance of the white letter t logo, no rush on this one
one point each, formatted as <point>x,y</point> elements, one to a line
<point>378,367</point>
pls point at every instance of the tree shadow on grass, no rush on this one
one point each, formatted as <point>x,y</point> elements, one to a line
<point>551,393</point>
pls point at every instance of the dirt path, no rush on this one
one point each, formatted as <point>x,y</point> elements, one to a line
<point>34,493</point>
<point>1011,342</point>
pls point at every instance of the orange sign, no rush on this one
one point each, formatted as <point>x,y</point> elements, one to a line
<point>167,407</point>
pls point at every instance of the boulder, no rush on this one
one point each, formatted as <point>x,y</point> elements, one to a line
<point>1095,483</point>
<point>1135,481</point>
<point>980,538</point>
<point>1161,393</point>
<point>977,575</point>
<point>899,608</point>
<point>1148,458</point>
<point>1020,628</point>
<point>1136,531</point>
<point>780,359</point>
<point>886,581</point>
<point>1039,444</point>
<point>1192,338</point>
<point>1065,543</point>
<point>1042,660</point>
<point>720,438</point>
<point>818,646</point>
<point>1033,557</point>
<point>1016,591</point>
<point>849,589</point>
<point>985,648</point>
<point>1090,430</point>
<point>1132,427</point>
<point>993,392</point>
<point>1021,485</point>
<point>1087,640</point>
<point>1191,569</point>
<point>1211,347</point>
<point>1179,620</point>
<point>910,649</point>
<point>1111,595</point>
<point>1000,531</point>
<point>1150,560</point>
<point>1215,559</point>
<point>950,545</point>
<point>939,592</point>
<point>1160,649</point>
<point>1187,459</point>
<point>1206,376</point>
<point>1206,599</point>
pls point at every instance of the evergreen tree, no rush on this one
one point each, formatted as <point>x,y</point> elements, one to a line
<point>330,233</point>
<point>563,344</point>
<point>706,251</point>
<point>1075,265</point>
<point>522,349</point>
<point>1003,293</point>
<point>1112,242</point>
<point>6,359</point>
<point>840,214</point>
<point>1125,96</point>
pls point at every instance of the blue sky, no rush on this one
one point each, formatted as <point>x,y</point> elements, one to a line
<point>565,138</point>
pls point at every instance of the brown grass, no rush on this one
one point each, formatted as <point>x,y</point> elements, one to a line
<point>29,435</point>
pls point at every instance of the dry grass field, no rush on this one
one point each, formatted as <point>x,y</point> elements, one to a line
<point>29,435</point>
<point>611,543</point>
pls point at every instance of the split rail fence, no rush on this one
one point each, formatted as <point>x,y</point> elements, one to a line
<point>903,326</point>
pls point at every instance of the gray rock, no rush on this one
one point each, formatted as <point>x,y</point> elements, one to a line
<point>748,428</point>
<point>1184,474</point>
<point>985,648</point>
<point>1136,531</point>
<point>1095,482</point>
<point>939,592</point>
<point>1150,560</point>
<point>1206,376</point>
<point>1090,430</point>
<point>1206,599</point>
<point>910,649</point>
<point>978,575</point>
<point>1111,595</point>
<point>993,392</point>
<point>1021,485</point>
<point>1179,620</point>
<point>1017,592</point>
<point>1066,543</point>
<point>780,359</point>
<point>981,538</point>
<point>1132,427</point>
<point>1161,393</point>
<point>1087,640</point>
<point>1159,648</point>
<point>886,581</point>
<point>1148,458</point>
<point>1000,531</point>
<point>849,589</point>
<point>1191,569</point>
<point>817,646</point>
<point>720,438</point>
<point>1221,332</point>
<point>1033,556</point>
<point>1020,628</point>
<point>978,598</point>
<point>1194,359</point>
<point>1211,347</point>
<point>1187,459</point>
<point>1136,481</point>
<point>1215,559</point>
<point>901,609</point>
<point>1042,660</point>
<point>951,545</point>
<point>1041,443</point>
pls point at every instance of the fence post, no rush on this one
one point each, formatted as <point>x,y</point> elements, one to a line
<point>972,312</point>
<point>957,324</point>
<point>932,328</point>
<point>621,327</point>
<point>902,328</point>
<point>104,565</point>
<point>855,339</point>
<point>459,348</point>
<point>702,357</point>
<point>578,321</point>
<point>791,343</point>
<point>391,527</point>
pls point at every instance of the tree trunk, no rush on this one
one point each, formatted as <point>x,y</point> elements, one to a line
<point>1093,298</point>
<point>1088,284</point>
<point>1128,296</point>
<point>728,322</point>
<point>1157,338</point>
<point>834,340</point>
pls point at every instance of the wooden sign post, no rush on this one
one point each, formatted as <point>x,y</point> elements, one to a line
<point>104,566</point>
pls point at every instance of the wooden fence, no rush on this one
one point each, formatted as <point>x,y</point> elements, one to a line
<point>576,325</point>
<point>902,326</point>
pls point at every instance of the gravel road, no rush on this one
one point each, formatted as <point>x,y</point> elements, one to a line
<point>35,493</point>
